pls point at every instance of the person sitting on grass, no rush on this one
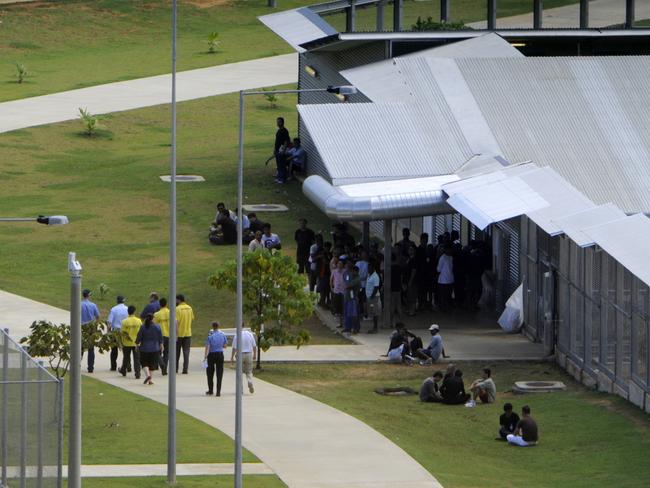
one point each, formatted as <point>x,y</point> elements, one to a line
<point>453,389</point>
<point>484,388</point>
<point>526,430</point>
<point>432,352</point>
<point>508,422</point>
<point>430,389</point>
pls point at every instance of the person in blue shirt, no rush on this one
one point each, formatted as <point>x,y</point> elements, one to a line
<point>214,346</point>
<point>89,313</point>
<point>435,349</point>
<point>152,307</point>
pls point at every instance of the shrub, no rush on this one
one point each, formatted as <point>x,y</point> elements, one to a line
<point>431,25</point>
<point>21,72</point>
<point>213,41</point>
<point>89,121</point>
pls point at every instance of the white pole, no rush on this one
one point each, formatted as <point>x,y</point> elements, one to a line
<point>74,440</point>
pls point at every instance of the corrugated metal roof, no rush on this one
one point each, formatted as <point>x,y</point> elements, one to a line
<point>574,225</point>
<point>298,26</point>
<point>587,118</point>
<point>626,240</point>
<point>369,142</point>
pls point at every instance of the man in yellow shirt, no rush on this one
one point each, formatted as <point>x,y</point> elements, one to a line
<point>161,317</point>
<point>184,319</point>
<point>130,327</point>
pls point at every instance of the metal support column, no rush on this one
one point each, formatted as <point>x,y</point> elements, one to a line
<point>40,428</point>
<point>272,3</point>
<point>584,14</point>
<point>629,14</point>
<point>5,405</point>
<point>351,17</point>
<point>23,421</point>
<point>444,10</point>
<point>365,236</point>
<point>74,433</point>
<point>491,14</point>
<point>537,14</point>
<point>380,16</point>
<point>61,413</point>
<point>388,249</point>
<point>398,8</point>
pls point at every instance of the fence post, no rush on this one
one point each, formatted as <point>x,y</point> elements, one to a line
<point>5,403</point>
<point>351,17</point>
<point>40,429</point>
<point>23,421</point>
<point>629,14</point>
<point>444,11</point>
<point>397,15</point>
<point>380,15</point>
<point>537,14</point>
<point>491,14</point>
<point>584,14</point>
<point>388,247</point>
<point>61,414</point>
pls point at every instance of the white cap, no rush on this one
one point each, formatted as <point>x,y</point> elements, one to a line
<point>434,327</point>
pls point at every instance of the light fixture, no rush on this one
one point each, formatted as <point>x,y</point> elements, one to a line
<point>342,98</point>
<point>342,89</point>
<point>518,44</point>
<point>311,71</point>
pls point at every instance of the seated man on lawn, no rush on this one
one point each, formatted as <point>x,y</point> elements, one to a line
<point>508,422</point>
<point>453,389</point>
<point>526,431</point>
<point>484,388</point>
<point>430,389</point>
<point>432,352</point>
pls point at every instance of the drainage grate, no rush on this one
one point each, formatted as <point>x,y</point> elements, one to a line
<point>183,178</point>
<point>266,207</point>
<point>538,386</point>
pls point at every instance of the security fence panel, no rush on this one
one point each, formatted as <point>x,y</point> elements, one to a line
<point>31,414</point>
<point>640,336</point>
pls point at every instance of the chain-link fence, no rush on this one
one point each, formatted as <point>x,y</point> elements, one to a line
<point>31,416</point>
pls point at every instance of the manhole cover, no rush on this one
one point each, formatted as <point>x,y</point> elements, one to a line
<point>538,386</point>
<point>265,207</point>
<point>183,178</point>
<point>396,391</point>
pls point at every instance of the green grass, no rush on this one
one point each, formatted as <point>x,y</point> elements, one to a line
<point>250,481</point>
<point>109,186</point>
<point>118,425</point>
<point>69,44</point>
<point>587,439</point>
<point>642,23</point>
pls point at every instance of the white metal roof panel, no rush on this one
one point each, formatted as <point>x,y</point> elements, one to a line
<point>574,225</point>
<point>626,240</point>
<point>298,26</point>
<point>397,187</point>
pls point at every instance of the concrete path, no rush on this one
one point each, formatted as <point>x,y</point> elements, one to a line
<point>145,92</point>
<point>602,13</point>
<point>306,443</point>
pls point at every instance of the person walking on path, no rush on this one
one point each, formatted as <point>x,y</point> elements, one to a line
<point>130,327</point>
<point>161,317</point>
<point>526,433</point>
<point>249,355</point>
<point>304,238</point>
<point>150,344</point>
<point>152,307</point>
<point>89,313</point>
<point>214,346</point>
<point>184,319</point>
<point>115,317</point>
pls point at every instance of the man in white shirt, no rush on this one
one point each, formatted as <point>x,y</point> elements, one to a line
<point>256,243</point>
<point>249,355</point>
<point>445,278</point>
<point>373,282</point>
<point>270,240</point>
<point>118,313</point>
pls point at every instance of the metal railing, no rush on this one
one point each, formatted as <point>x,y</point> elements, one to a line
<point>31,420</point>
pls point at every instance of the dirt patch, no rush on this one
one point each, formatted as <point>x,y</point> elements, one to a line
<point>208,3</point>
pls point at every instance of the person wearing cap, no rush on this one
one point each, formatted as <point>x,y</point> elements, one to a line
<point>161,317</point>
<point>152,307</point>
<point>89,313</point>
<point>435,348</point>
<point>115,317</point>
<point>184,319</point>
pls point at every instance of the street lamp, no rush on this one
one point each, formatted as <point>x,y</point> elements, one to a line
<point>74,440</point>
<point>41,219</point>
<point>339,90</point>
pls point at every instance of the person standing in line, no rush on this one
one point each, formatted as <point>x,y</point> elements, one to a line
<point>362,264</point>
<point>115,317</point>
<point>269,239</point>
<point>89,313</point>
<point>445,269</point>
<point>314,250</point>
<point>337,285</point>
<point>282,141</point>
<point>373,283</point>
<point>214,347</point>
<point>150,345</point>
<point>184,319</point>
<point>152,307</point>
<point>130,327</point>
<point>304,238</point>
<point>249,355</point>
<point>526,432</point>
<point>161,317</point>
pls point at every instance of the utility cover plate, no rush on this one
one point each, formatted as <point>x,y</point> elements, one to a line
<point>265,207</point>
<point>183,178</point>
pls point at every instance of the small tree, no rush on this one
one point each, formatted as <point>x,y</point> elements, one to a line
<point>21,72</point>
<point>52,341</point>
<point>431,25</point>
<point>272,98</point>
<point>213,42</point>
<point>89,121</point>
<point>275,298</point>
<point>103,290</point>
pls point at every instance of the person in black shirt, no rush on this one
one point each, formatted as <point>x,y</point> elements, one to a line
<point>282,141</point>
<point>255,223</point>
<point>508,422</point>
<point>228,228</point>
<point>453,389</point>
<point>304,238</point>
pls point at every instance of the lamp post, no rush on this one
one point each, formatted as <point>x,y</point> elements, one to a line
<point>343,90</point>
<point>74,441</point>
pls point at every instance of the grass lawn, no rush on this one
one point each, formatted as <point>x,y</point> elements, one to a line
<point>587,439</point>
<point>69,44</point>
<point>109,186</point>
<point>117,424</point>
<point>250,481</point>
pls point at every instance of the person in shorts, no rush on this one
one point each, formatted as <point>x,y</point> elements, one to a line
<point>372,297</point>
<point>150,343</point>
